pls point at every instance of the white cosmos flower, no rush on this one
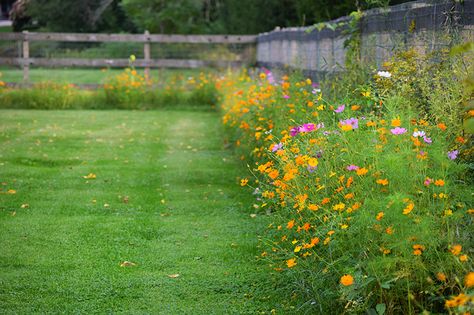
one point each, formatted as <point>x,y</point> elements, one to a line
<point>384,74</point>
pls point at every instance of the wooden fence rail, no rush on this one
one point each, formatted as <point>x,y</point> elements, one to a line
<point>147,62</point>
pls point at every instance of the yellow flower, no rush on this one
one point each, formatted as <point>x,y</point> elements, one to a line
<point>244,182</point>
<point>313,162</point>
<point>297,249</point>
<point>362,171</point>
<point>90,176</point>
<point>346,280</point>
<point>408,208</point>
<point>346,127</point>
<point>339,206</point>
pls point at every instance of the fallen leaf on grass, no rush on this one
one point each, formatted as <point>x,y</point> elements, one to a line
<point>125,199</point>
<point>127,264</point>
<point>11,191</point>
<point>25,205</point>
<point>90,176</point>
<point>253,215</point>
<point>175,275</point>
<point>106,205</point>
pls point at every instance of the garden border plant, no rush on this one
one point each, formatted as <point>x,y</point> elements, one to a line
<point>370,191</point>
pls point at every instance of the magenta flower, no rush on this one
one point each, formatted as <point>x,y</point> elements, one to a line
<point>452,155</point>
<point>286,96</point>
<point>352,167</point>
<point>303,128</point>
<point>398,131</point>
<point>427,140</point>
<point>311,169</point>
<point>277,147</point>
<point>427,181</point>
<point>307,127</point>
<point>354,122</point>
<point>340,109</point>
<point>294,131</point>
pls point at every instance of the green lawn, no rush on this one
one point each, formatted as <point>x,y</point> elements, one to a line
<point>87,76</point>
<point>166,197</point>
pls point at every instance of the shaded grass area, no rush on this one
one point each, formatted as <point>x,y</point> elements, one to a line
<point>89,76</point>
<point>165,198</point>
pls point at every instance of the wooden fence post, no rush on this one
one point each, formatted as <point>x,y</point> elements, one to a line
<point>25,57</point>
<point>147,56</point>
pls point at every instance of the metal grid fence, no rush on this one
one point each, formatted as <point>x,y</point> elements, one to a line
<point>423,25</point>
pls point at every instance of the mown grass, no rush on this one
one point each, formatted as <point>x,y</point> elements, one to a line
<point>165,197</point>
<point>87,76</point>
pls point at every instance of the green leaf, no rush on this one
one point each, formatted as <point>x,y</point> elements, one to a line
<point>381,308</point>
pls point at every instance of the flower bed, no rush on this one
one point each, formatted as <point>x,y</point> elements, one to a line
<point>371,199</point>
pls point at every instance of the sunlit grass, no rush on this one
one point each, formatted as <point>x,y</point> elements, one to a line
<point>164,197</point>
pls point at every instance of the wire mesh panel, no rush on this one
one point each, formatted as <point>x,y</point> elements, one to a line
<point>422,25</point>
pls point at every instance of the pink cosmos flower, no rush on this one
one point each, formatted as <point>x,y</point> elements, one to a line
<point>277,147</point>
<point>398,131</point>
<point>354,122</point>
<point>340,109</point>
<point>304,128</point>
<point>452,155</point>
<point>352,167</point>
<point>427,140</point>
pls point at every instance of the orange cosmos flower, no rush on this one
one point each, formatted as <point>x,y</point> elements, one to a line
<point>362,171</point>
<point>469,280</point>
<point>379,216</point>
<point>459,300</point>
<point>290,224</point>
<point>291,262</point>
<point>383,182</point>
<point>439,182</point>
<point>442,126</point>
<point>456,249</point>
<point>441,276</point>
<point>273,174</point>
<point>396,122</point>
<point>346,280</point>
<point>325,201</point>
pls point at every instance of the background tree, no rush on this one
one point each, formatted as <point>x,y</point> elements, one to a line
<point>188,16</point>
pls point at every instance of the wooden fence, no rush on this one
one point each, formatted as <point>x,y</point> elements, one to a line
<point>147,39</point>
